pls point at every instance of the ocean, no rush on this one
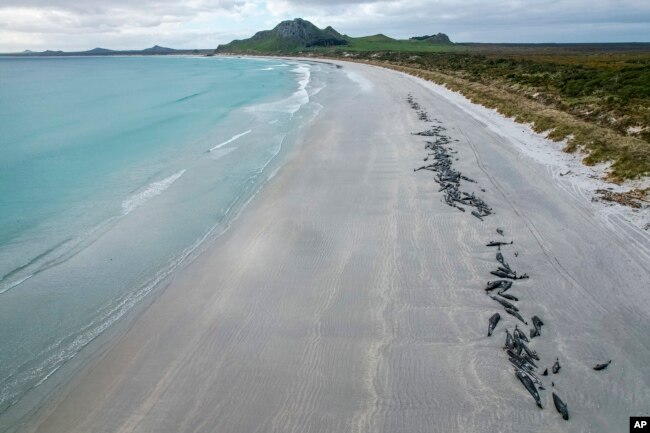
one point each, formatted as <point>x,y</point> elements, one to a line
<point>113,171</point>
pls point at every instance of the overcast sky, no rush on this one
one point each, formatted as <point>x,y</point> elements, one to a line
<point>133,24</point>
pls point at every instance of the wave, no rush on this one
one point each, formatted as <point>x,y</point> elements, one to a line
<point>154,189</point>
<point>233,138</point>
<point>297,99</point>
<point>10,285</point>
<point>301,95</point>
<point>185,98</point>
<point>49,258</point>
<point>267,69</point>
<point>54,256</point>
<point>18,282</point>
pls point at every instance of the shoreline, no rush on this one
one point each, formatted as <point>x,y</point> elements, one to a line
<point>65,376</point>
<point>334,286</point>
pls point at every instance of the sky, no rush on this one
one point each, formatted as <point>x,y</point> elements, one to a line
<point>71,25</point>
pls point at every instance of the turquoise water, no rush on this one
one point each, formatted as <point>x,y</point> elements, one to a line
<point>112,172</point>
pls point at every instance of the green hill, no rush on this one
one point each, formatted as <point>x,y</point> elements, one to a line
<point>287,36</point>
<point>378,38</point>
<point>300,35</point>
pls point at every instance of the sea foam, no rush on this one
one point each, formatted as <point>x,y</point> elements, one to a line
<point>154,189</point>
<point>233,138</point>
<point>297,99</point>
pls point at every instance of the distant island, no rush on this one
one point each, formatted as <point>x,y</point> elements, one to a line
<point>156,50</point>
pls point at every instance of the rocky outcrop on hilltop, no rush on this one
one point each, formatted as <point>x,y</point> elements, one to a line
<point>439,38</point>
<point>286,36</point>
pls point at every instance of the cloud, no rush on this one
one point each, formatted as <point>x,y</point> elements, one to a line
<point>83,24</point>
<point>485,21</point>
<point>124,24</point>
<point>100,6</point>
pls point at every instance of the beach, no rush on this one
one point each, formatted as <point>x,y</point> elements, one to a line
<point>348,297</point>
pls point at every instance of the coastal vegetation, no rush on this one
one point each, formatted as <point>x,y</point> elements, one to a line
<point>381,43</point>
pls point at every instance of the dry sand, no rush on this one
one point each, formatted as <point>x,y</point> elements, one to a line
<point>348,298</point>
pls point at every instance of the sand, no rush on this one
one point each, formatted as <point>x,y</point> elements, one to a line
<point>348,297</point>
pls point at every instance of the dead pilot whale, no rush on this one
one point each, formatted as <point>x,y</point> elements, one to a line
<point>603,366</point>
<point>494,320</point>
<point>561,406</point>
<point>530,386</point>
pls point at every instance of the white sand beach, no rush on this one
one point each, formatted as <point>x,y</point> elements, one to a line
<point>348,297</point>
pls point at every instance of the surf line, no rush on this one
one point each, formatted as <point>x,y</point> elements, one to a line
<point>235,137</point>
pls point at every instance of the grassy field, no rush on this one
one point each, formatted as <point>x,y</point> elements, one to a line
<point>597,97</point>
<point>378,43</point>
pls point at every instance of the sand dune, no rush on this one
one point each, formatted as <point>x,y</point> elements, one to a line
<point>349,298</point>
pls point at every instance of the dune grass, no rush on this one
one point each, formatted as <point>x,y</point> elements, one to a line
<point>378,43</point>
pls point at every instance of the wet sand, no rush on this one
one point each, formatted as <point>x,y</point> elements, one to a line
<point>349,298</point>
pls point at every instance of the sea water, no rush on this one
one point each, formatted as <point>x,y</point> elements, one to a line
<point>113,170</point>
